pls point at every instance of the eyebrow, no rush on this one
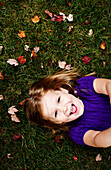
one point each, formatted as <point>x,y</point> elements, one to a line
<point>48,114</point>
<point>52,112</point>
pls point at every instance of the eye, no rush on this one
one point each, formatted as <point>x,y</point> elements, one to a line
<point>56,114</point>
<point>58,99</point>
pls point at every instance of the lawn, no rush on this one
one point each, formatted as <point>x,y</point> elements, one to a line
<point>48,43</point>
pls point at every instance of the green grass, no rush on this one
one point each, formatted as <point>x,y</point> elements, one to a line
<point>38,149</point>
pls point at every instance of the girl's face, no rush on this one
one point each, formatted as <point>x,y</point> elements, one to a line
<point>59,106</point>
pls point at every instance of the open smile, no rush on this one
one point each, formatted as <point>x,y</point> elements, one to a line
<point>73,109</point>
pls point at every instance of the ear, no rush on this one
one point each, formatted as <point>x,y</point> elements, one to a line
<point>64,90</point>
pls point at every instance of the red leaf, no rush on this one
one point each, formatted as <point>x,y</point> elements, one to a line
<point>58,138</point>
<point>1,4</point>
<point>86,59</point>
<point>83,24</point>
<point>16,136</point>
<point>57,18</point>
<point>21,59</point>
<point>75,158</point>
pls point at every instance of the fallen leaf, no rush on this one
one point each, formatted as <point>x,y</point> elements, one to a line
<point>49,13</point>
<point>22,102</point>
<point>58,138</point>
<point>26,47</point>
<point>98,157</point>
<point>104,63</point>
<point>24,168</point>
<point>75,158</point>
<point>68,43</point>
<point>39,41</point>
<point>62,14</point>
<point>1,4</point>
<point>12,62</point>
<point>102,45</point>
<point>36,19</point>
<point>21,34</point>
<point>1,76</point>
<point>12,110</point>
<point>69,4</point>
<point>16,136</point>
<point>86,59</point>
<point>1,47</point>
<point>83,24</point>
<point>90,32</point>
<point>21,59</point>
<point>103,28</point>
<point>70,18</point>
<point>1,97</point>
<point>9,156</point>
<point>70,28</point>
<point>68,67</point>
<point>14,118</point>
<point>33,55</point>
<point>62,64</point>
<point>109,157</point>
<point>36,49</point>
<point>42,65</point>
<point>54,131</point>
<point>57,18</point>
<point>53,62</point>
<point>87,21</point>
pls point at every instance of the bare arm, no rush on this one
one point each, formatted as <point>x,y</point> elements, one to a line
<point>98,138</point>
<point>103,86</point>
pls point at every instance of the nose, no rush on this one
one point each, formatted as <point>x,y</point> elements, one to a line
<point>63,109</point>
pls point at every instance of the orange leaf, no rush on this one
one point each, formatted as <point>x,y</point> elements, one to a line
<point>21,34</point>
<point>33,55</point>
<point>1,76</point>
<point>36,19</point>
<point>22,102</point>
<point>102,45</point>
<point>69,4</point>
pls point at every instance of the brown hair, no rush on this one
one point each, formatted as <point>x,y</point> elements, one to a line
<point>32,105</point>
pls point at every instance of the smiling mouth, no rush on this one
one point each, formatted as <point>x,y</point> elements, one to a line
<point>73,109</point>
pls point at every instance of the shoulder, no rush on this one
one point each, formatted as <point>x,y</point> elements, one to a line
<point>89,137</point>
<point>85,85</point>
<point>100,85</point>
<point>88,80</point>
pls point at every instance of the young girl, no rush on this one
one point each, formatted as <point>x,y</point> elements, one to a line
<point>66,101</point>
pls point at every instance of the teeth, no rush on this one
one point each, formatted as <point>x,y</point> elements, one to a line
<point>73,109</point>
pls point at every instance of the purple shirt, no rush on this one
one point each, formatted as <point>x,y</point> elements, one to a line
<point>97,111</point>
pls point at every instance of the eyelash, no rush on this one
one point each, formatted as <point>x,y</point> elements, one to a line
<point>58,100</point>
<point>56,114</point>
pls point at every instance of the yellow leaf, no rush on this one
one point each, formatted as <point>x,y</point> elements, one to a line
<point>36,19</point>
<point>102,45</point>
